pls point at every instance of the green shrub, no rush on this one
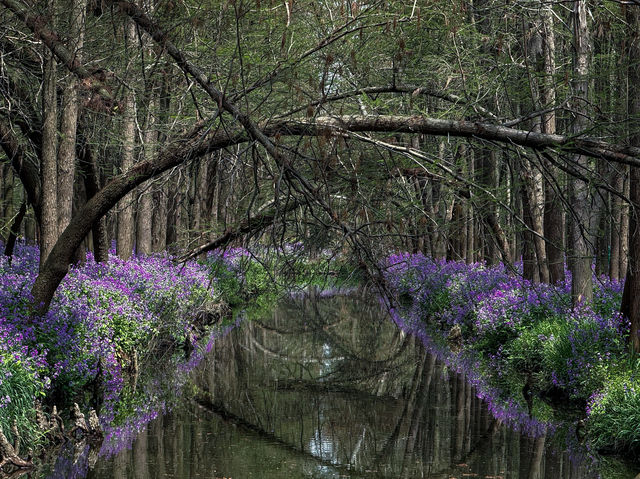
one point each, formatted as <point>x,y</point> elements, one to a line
<point>21,385</point>
<point>613,421</point>
<point>541,350</point>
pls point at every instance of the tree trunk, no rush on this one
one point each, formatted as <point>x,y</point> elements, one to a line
<point>7,185</point>
<point>160,189</point>
<point>69,120</point>
<point>631,296</point>
<point>581,241</point>
<point>496,243</point>
<point>624,227</point>
<point>14,231</point>
<point>553,209</point>
<point>160,214</point>
<point>533,202</point>
<point>530,270</point>
<point>124,243</point>
<point>49,149</point>
<point>533,182</point>
<point>616,220</point>
<point>92,186</point>
<point>470,255</point>
<point>554,228</point>
<point>174,216</point>
<point>145,200</point>
<point>603,228</point>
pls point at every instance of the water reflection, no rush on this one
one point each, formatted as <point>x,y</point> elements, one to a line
<point>331,388</point>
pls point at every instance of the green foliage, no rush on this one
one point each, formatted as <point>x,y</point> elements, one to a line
<point>540,349</point>
<point>614,414</point>
<point>441,300</point>
<point>21,385</point>
<point>495,339</point>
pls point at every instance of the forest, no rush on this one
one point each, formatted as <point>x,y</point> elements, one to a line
<point>476,162</point>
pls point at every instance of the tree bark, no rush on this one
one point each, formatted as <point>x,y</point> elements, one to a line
<point>342,125</point>
<point>631,296</point>
<point>581,241</point>
<point>533,186</point>
<point>553,209</point>
<point>69,119</point>
<point>533,182</point>
<point>126,225</point>
<point>160,189</point>
<point>145,200</point>
<point>624,227</point>
<point>49,154</point>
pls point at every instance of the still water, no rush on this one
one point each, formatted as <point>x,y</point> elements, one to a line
<point>330,388</point>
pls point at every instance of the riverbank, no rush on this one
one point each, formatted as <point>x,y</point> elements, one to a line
<point>108,323</point>
<point>524,347</point>
<point>105,323</point>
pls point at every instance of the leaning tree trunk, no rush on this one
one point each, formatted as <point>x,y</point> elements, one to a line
<point>631,296</point>
<point>581,254</point>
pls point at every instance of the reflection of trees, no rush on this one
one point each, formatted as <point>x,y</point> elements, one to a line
<point>335,388</point>
<point>332,368</point>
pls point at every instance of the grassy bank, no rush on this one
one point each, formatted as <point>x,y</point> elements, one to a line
<point>526,347</point>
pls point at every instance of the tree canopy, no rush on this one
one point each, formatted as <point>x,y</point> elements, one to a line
<point>485,130</point>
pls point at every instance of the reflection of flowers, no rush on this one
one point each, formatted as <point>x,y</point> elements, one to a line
<point>160,396</point>
<point>491,307</point>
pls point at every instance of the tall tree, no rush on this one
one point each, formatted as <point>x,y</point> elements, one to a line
<point>144,212</point>
<point>581,254</point>
<point>553,210</point>
<point>631,295</point>
<point>69,118</point>
<point>533,181</point>
<point>49,149</point>
<point>126,225</point>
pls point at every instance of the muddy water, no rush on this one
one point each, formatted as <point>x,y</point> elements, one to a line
<point>330,389</point>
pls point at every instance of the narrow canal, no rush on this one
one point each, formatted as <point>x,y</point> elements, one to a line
<point>330,388</point>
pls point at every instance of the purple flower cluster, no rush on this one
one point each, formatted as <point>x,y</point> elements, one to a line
<point>101,315</point>
<point>508,325</point>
